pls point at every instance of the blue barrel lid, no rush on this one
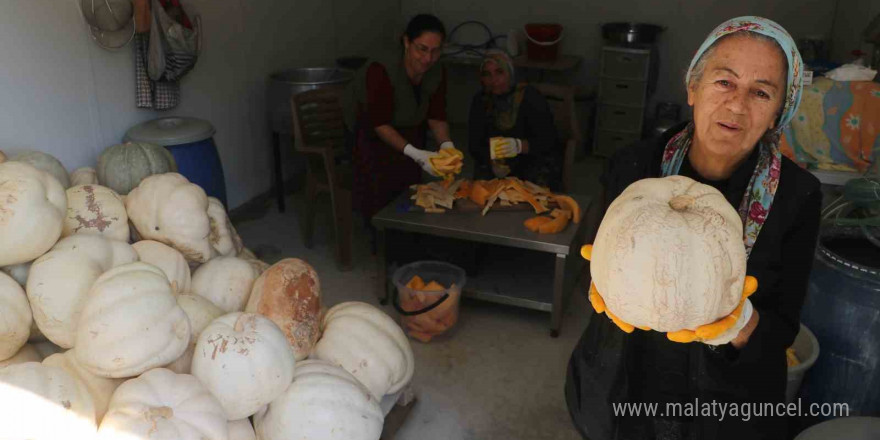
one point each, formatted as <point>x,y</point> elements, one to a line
<point>170,131</point>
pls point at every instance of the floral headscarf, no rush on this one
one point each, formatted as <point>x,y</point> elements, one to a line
<point>503,108</point>
<point>758,199</point>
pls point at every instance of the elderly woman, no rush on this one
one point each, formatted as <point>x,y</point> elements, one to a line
<point>744,85</point>
<point>511,129</point>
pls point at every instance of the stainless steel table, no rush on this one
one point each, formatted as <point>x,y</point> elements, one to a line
<point>497,227</point>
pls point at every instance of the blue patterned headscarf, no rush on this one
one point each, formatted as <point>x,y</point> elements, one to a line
<point>758,198</point>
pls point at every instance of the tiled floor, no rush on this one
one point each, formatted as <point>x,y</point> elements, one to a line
<point>498,375</point>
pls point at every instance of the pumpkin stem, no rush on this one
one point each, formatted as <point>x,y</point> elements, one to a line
<point>682,202</point>
<point>161,412</point>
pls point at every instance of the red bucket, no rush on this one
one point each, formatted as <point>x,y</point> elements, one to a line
<point>544,38</point>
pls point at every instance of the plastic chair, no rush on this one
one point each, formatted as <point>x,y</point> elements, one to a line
<point>561,102</point>
<point>319,133</point>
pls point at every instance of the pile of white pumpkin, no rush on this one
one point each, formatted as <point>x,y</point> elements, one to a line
<point>183,334</point>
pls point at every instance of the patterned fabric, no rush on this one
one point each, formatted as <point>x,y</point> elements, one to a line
<point>837,127</point>
<point>503,108</point>
<point>149,94</point>
<point>758,198</point>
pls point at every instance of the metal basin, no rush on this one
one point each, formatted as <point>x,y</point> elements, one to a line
<point>287,83</point>
<point>630,33</point>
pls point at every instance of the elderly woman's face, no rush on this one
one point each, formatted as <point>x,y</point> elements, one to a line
<point>495,79</point>
<point>739,95</point>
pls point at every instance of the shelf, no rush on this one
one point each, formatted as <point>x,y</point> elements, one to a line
<point>561,64</point>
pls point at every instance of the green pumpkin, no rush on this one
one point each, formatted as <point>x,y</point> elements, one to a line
<point>45,162</point>
<point>122,167</point>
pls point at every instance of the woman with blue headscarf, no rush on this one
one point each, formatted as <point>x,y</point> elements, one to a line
<point>744,85</point>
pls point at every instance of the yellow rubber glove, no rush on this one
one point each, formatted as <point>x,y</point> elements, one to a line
<point>504,147</point>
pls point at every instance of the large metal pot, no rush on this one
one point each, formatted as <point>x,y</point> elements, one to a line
<point>630,33</point>
<point>283,85</point>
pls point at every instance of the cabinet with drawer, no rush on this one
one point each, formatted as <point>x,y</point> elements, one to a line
<point>624,74</point>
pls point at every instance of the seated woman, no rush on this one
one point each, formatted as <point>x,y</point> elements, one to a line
<point>744,85</point>
<point>511,128</point>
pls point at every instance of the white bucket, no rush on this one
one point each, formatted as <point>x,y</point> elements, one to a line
<point>806,348</point>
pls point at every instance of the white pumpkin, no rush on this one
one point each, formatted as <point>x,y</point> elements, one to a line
<point>226,282</point>
<point>324,402</point>
<point>169,260</point>
<point>60,280</point>
<point>224,238</point>
<point>368,344</point>
<point>163,405</point>
<point>241,430</point>
<point>15,317</point>
<point>130,323</point>
<point>289,293</point>
<point>84,176</point>
<point>45,162</point>
<point>27,353</point>
<point>122,167</point>
<point>200,313</point>
<point>18,272</point>
<point>170,209</point>
<point>100,388</point>
<point>669,255</point>
<point>33,205</point>
<point>96,210</point>
<point>40,402</point>
<point>245,361</point>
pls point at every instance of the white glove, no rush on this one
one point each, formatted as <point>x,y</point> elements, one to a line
<point>422,158</point>
<point>731,333</point>
<point>504,147</point>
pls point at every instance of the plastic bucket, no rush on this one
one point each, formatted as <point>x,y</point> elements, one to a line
<point>428,313</point>
<point>806,348</point>
<point>543,41</point>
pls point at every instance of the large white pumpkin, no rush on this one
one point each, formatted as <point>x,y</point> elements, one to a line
<point>130,323</point>
<point>27,353</point>
<point>96,210</point>
<point>45,162</point>
<point>15,317</point>
<point>368,344</point>
<point>245,361</point>
<point>84,176</point>
<point>32,209</point>
<point>200,313</point>
<point>39,402</point>
<point>669,255</point>
<point>324,402</point>
<point>241,430</point>
<point>163,405</point>
<point>170,209</point>
<point>60,280</point>
<point>100,388</point>
<point>122,167</point>
<point>289,293</point>
<point>224,238</point>
<point>169,260</point>
<point>226,282</point>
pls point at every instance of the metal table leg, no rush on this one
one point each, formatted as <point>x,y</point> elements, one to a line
<point>558,297</point>
<point>382,278</point>
<point>279,174</point>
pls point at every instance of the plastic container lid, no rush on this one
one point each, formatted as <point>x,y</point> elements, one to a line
<point>850,428</point>
<point>171,131</point>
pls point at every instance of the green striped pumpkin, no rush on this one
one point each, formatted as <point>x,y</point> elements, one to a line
<point>122,167</point>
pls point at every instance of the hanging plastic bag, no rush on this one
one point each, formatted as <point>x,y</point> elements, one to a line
<point>175,43</point>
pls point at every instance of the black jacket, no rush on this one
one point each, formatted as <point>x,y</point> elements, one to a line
<point>609,366</point>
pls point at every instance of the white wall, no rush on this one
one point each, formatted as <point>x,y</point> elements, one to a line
<point>852,17</point>
<point>62,94</point>
<point>687,23</point>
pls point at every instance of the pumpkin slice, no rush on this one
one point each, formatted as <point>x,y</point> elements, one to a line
<point>539,208</point>
<point>683,336</point>
<point>569,204</point>
<point>479,193</point>
<point>433,286</point>
<point>554,226</point>
<point>587,251</point>
<point>533,223</point>
<point>750,285</point>
<point>596,300</point>
<point>416,283</point>
<point>464,190</point>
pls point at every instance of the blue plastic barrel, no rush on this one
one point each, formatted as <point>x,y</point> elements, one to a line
<point>191,142</point>
<point>843,311</point>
